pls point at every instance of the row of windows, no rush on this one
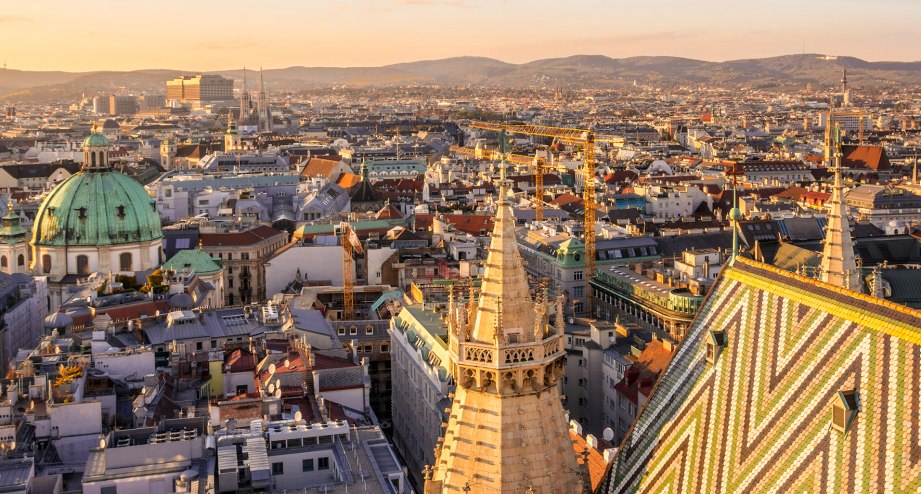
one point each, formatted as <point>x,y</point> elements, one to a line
<point>353,330</point>
<point>4,263</point>
<point>125,262</point>
<point>307,465</point>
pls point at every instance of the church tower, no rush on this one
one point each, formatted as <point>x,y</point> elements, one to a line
<point>507,432</point>
<point>262,104</point>
<point>232,140</point>
<point>839,266</point>
<point>14,244</point>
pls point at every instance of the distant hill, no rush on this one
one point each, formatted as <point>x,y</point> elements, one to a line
<point>579,71</point>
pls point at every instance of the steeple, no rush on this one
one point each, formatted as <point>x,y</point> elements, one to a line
<point>12,230</point>
<point>507,431</point>
<point>845,95</point>
<point>839,266</point>
<point>735,215</point>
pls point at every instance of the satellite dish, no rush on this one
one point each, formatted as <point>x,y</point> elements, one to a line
<point>608,434</point>
<point>271,369</point>
<point>298,416</point>
<point>102,443</point>
<point>287,363</point>
<point>272,388</point>
<point>278,393</point>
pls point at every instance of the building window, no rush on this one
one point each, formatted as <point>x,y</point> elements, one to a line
<point>22,260</point>
<point>83,265</point>
<point>323,463</point>
<point>353,330</point>
<point>126,262</point>
<point>385,348</point>
<point>341,330</point>
<point>3,262</point>
<point>109,489</point>
<point>844,410</point>
<point>578,291</point>
<point>198,345</point>
<point>308,465</point>
<point>369,330</point>
<point>577,275</point>
<point>716,340</point>
<point>278,468</point>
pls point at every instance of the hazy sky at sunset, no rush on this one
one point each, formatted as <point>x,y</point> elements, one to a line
<point>213,35</point>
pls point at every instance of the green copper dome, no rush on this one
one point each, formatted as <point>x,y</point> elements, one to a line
<point>96,208</point>
<point>11,230</point>
<point>95,140</point>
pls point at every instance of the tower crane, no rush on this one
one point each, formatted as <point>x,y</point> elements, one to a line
<point>587,139</point>
<point>350,245</point>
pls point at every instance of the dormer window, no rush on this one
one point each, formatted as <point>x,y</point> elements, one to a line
<point>716,341</point>
<point>120,212</point>
<point>81,213</point>
<point>844,410</point>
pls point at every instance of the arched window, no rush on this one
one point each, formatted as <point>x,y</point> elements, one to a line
<point>125,262</point>
<point>3,262</point>
<point>22,260</point>
<point>46,263</point>
<point>83,265</point>
<point>93,158</point>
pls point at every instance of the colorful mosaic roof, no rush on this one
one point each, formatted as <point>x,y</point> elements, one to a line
<point>759,417</point>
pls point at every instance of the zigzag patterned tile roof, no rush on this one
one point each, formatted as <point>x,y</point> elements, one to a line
<point>759,418</point>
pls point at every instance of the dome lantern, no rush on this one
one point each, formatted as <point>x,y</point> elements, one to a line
<point>95,151</point>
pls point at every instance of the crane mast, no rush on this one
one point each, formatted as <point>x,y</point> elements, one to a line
<point>350,244</point>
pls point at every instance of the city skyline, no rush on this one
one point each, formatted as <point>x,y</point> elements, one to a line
<point>364,33</point>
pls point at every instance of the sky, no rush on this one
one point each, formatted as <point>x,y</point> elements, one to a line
<point>203,35</point>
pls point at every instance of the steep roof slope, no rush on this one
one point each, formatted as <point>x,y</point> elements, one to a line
<point>759,418</point>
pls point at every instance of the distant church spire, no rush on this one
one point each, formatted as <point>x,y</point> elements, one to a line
<point>839,266</point>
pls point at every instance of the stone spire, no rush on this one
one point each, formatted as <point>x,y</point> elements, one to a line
<point>507,431</point>
<point>839,266</point>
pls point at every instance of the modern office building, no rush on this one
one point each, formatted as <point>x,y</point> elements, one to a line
<point>200,89</point>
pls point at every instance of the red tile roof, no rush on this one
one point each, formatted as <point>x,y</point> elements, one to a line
<point>596,464</point>
<point>319,167</point>
<point>249,237</point>
<point>865,157</point>
<point>474,224</point>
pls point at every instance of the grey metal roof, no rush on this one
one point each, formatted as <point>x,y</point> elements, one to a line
<point>15,472</point>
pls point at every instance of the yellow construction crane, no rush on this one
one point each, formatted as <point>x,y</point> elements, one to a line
<point>586,139</point>
<point>350,245</point>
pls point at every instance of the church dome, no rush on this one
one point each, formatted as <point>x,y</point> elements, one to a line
<point>96,208</point>
<point>95,140</point>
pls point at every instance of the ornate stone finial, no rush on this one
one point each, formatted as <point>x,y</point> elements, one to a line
<point>471,312</point>
<point>427,472</point>
<point>94,129</point>
<point>452,313</point>
<point>560,317</point>
<point>200,244</point>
